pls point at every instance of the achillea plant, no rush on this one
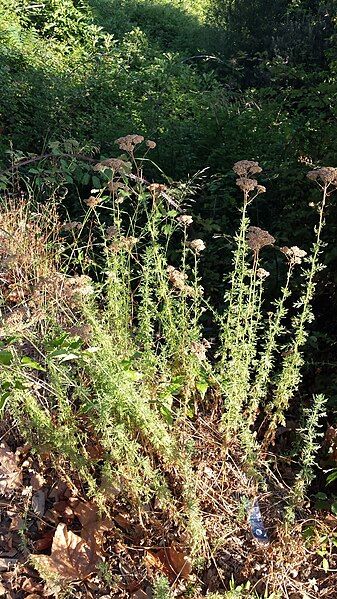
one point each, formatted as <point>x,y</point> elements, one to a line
<point>243,310</point>
<point>122,356</point>
<point>290,375</point>
<point>248,354</point>
<point>115,352</point>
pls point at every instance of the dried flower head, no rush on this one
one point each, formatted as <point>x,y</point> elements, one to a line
<point>71,226</point>
<point>245,168</point>
<point>294,254</point>
<point>258,238</point>
<point>197,245</point>
<point>156,188</point>
<point>92,201</point>
<point>151,144</point>
<point>262,274</point>
<point>129,242</point>
<point>185,220</point>
<point>78,285</point>
<point>115,164</point>
<point>326,175</point>
<point>306,160</point>
<point>261,189</point>
<point>128,142</point>
<point>246,184</point>
<point>199,349</point>
<point>124,243</point>
<point>83,331</point>
<point>177,278</point>
<point>114,186</point>
<point>16,321</point>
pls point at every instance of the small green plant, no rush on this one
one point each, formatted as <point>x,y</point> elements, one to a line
<point>161,588</point>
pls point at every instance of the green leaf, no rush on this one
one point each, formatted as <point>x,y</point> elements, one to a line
<point>85,179</point>
<point>63,355</point>
<point>334,508</point>
<point>202,387</point>
<point>321,495</point>
<point>167,414</point>
<point>167,229</point>
<point>5,357</point>
<point>96,182</point>
<point>29,363</point>
<point>134,375</point>
<point>332,477</point>
<point>325,564</point>
<point>3,400</point>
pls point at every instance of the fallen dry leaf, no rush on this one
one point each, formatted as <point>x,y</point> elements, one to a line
<point>93,527</point>
<point>10,472</point>
<point>37,481</point>
<point>71,557</point>
<point>39,503</point>
<point>31,586</point>
<point>86,511</point>
<point>170,562</point>
<point>17,522</point>
<point>45,542</point>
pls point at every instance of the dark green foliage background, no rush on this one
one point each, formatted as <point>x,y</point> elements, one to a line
<point>212,81</point>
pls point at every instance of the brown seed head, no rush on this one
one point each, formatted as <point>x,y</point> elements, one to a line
<point>197,245</point>
<point>185,220</point>
<point>326,175</point>
<point>199,349</point>
<point>261,189</point>
<point>111,232</point>
<point>83,331</point>
<point>92,201</point>
<point>294,254</point>
<point>258,238</point>
<point>71,226</point>
<point>156,188</point>
<point>123,243</point>
<point>113,186</point>
<point>128,142</point>
<point>262,274</point>
<point>115,164</point>
<point>176,277</point>
<point>81,285</point>
<point>246,184</point>
<point>245,168</point>
<point>151,144</point>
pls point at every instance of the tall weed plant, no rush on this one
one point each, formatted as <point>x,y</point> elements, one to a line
<point>103,359</point>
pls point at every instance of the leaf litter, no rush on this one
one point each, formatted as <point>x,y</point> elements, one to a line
<point>71,543</point>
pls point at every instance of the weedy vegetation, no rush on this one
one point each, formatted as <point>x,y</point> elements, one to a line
<point>107,370</point>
